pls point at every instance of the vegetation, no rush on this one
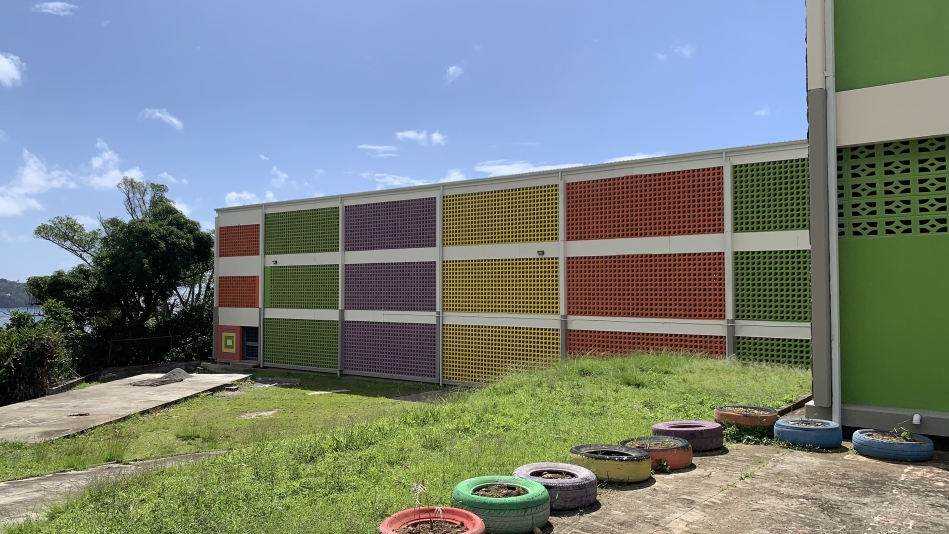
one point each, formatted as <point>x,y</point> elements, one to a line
<point>35,355</point>
<point>211,422</point>
<point>347,479</point>
<point>142,293</point>
<point>13,294</point>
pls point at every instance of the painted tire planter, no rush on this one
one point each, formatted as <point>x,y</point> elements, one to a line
<point>702,435</point>
<point>810,432</point>
<point>676,452</point>
<point>920,450</point>
<point>613,463</point>
<point>414,516</point>
<point>565,493</point>
<point>752,416</point>
<point>504,515</point>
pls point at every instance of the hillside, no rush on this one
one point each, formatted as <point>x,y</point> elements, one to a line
<point>13,294</point>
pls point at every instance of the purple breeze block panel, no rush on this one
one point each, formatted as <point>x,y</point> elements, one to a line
<point>405,349</point>
<point>388,225</point>
<point>390,286</point>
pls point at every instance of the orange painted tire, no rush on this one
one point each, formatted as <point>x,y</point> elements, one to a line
<point>733,415</point>
<point>414,516</point>
<point>675,451</point>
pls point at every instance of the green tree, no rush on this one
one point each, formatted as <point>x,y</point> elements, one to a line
<point>144,277</point>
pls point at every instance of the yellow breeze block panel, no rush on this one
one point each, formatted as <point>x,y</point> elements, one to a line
<point>524,215</point>
<point>525,285</point>
<point>483,353</point>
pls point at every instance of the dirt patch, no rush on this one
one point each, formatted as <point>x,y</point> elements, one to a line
<point>652,445</point>
<point>746,410</point>
<point>891,437</point>
<point>609,453</point>
<point>553,475</point>
<point>500,491</point>
<point>256,415</point>
<point>812,424</point>
<point>435,527</point>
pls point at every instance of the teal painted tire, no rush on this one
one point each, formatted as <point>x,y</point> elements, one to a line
<point>504,515</point>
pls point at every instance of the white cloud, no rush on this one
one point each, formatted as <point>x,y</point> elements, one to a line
<point>278,178</point>
<point>264,158</point>
<point>763,111</point>
<point>3,136</point>
<point>684,50</point>
<point>165,177</point>
<point>240,199</point>
<point>319,172</point>
<point>162,115</point>
<point>105,169</point>
<point>378,148</point>
<point>439,139</point>
<point>11,70</point>
<point>182,207</point>
<point>503,167</point>
<point>89,222</point>
<point>390,180</point>
<point>269,196</point>
<point>454,72</point>
<point>32,178</point>
<point>662,57</point>
<point>412,135</point>
<point>13,238</point>
<point>454,175</point>
<point>638,155</point>
<point>385,155</point>
<point>54,8</point>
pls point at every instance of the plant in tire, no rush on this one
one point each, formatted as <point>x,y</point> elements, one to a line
<point>507,505</point>
<point>431,519</point>
<point>570,486</point>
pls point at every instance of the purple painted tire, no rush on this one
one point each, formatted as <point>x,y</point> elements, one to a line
<point>565,493</point>
<point>702,435</point>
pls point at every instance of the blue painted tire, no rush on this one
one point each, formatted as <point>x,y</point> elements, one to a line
<point>828,436</point>
<point>919,451</point>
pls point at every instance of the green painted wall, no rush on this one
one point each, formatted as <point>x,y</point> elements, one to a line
<point>894,321</point>
<point>878,42</point>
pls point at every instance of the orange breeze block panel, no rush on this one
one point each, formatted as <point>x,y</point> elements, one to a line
<point>648,205</point>
<point>679,286</point>
<point>241,240</point>
<point>581,342</point>
<point>238,292</point>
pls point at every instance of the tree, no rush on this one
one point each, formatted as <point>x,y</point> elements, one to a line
<point>139,277</point>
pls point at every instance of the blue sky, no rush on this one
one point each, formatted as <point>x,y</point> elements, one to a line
<point>235,101</point>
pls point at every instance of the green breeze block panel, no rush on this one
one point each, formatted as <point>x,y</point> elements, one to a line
<point>771,196</point>
<point>771,350</point>
<point>301,232</point>
<point>893,189</point>
<point>894,333</point>
<point>302,287</point>
<point>773,285</point>
<point>301,342</point>
<point>879,42</point>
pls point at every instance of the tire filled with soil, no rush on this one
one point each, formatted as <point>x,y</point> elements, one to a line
<point>570,486</point>
<point>818,433</point>
<point>432,520</point>
<point>507,505</point>
<point>667,452</point>
<point>887,445</point>
<point>613,463</point>
<point>750,416</point>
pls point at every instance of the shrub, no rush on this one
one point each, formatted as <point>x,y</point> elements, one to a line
<point>33,358</point>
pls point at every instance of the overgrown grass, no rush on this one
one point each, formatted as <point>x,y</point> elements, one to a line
<point>210,422</point>
<point>346,480</point>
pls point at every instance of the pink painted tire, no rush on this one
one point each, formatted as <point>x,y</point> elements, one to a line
<point>702,435</point>
<point>413,516</point>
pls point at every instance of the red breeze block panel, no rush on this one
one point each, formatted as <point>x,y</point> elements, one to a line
<point>581,342</point>
<point>648,205</point>
<point>238,292</point>
<point>679,286</point>
<point>241,240</point>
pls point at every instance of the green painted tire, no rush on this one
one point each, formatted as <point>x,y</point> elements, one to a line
<point>505,515</point>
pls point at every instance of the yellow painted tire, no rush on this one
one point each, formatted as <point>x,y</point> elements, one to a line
<point>613,463</point>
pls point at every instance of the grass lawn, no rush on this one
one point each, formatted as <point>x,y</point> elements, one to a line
<point>210,422</point>
<point>347,479</point>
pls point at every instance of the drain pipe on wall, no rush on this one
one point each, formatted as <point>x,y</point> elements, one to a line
<point>831,85</point>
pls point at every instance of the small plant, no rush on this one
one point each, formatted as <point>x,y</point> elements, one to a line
<point>664,466</point>
<point>419,491</point>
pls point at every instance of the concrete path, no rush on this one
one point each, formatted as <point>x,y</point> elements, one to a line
<point>67,413</point>
<point>767,490</point>
<point>27,498</point>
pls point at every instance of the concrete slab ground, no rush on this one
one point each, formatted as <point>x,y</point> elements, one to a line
<point>67,413</point>
<point>760,489</point>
